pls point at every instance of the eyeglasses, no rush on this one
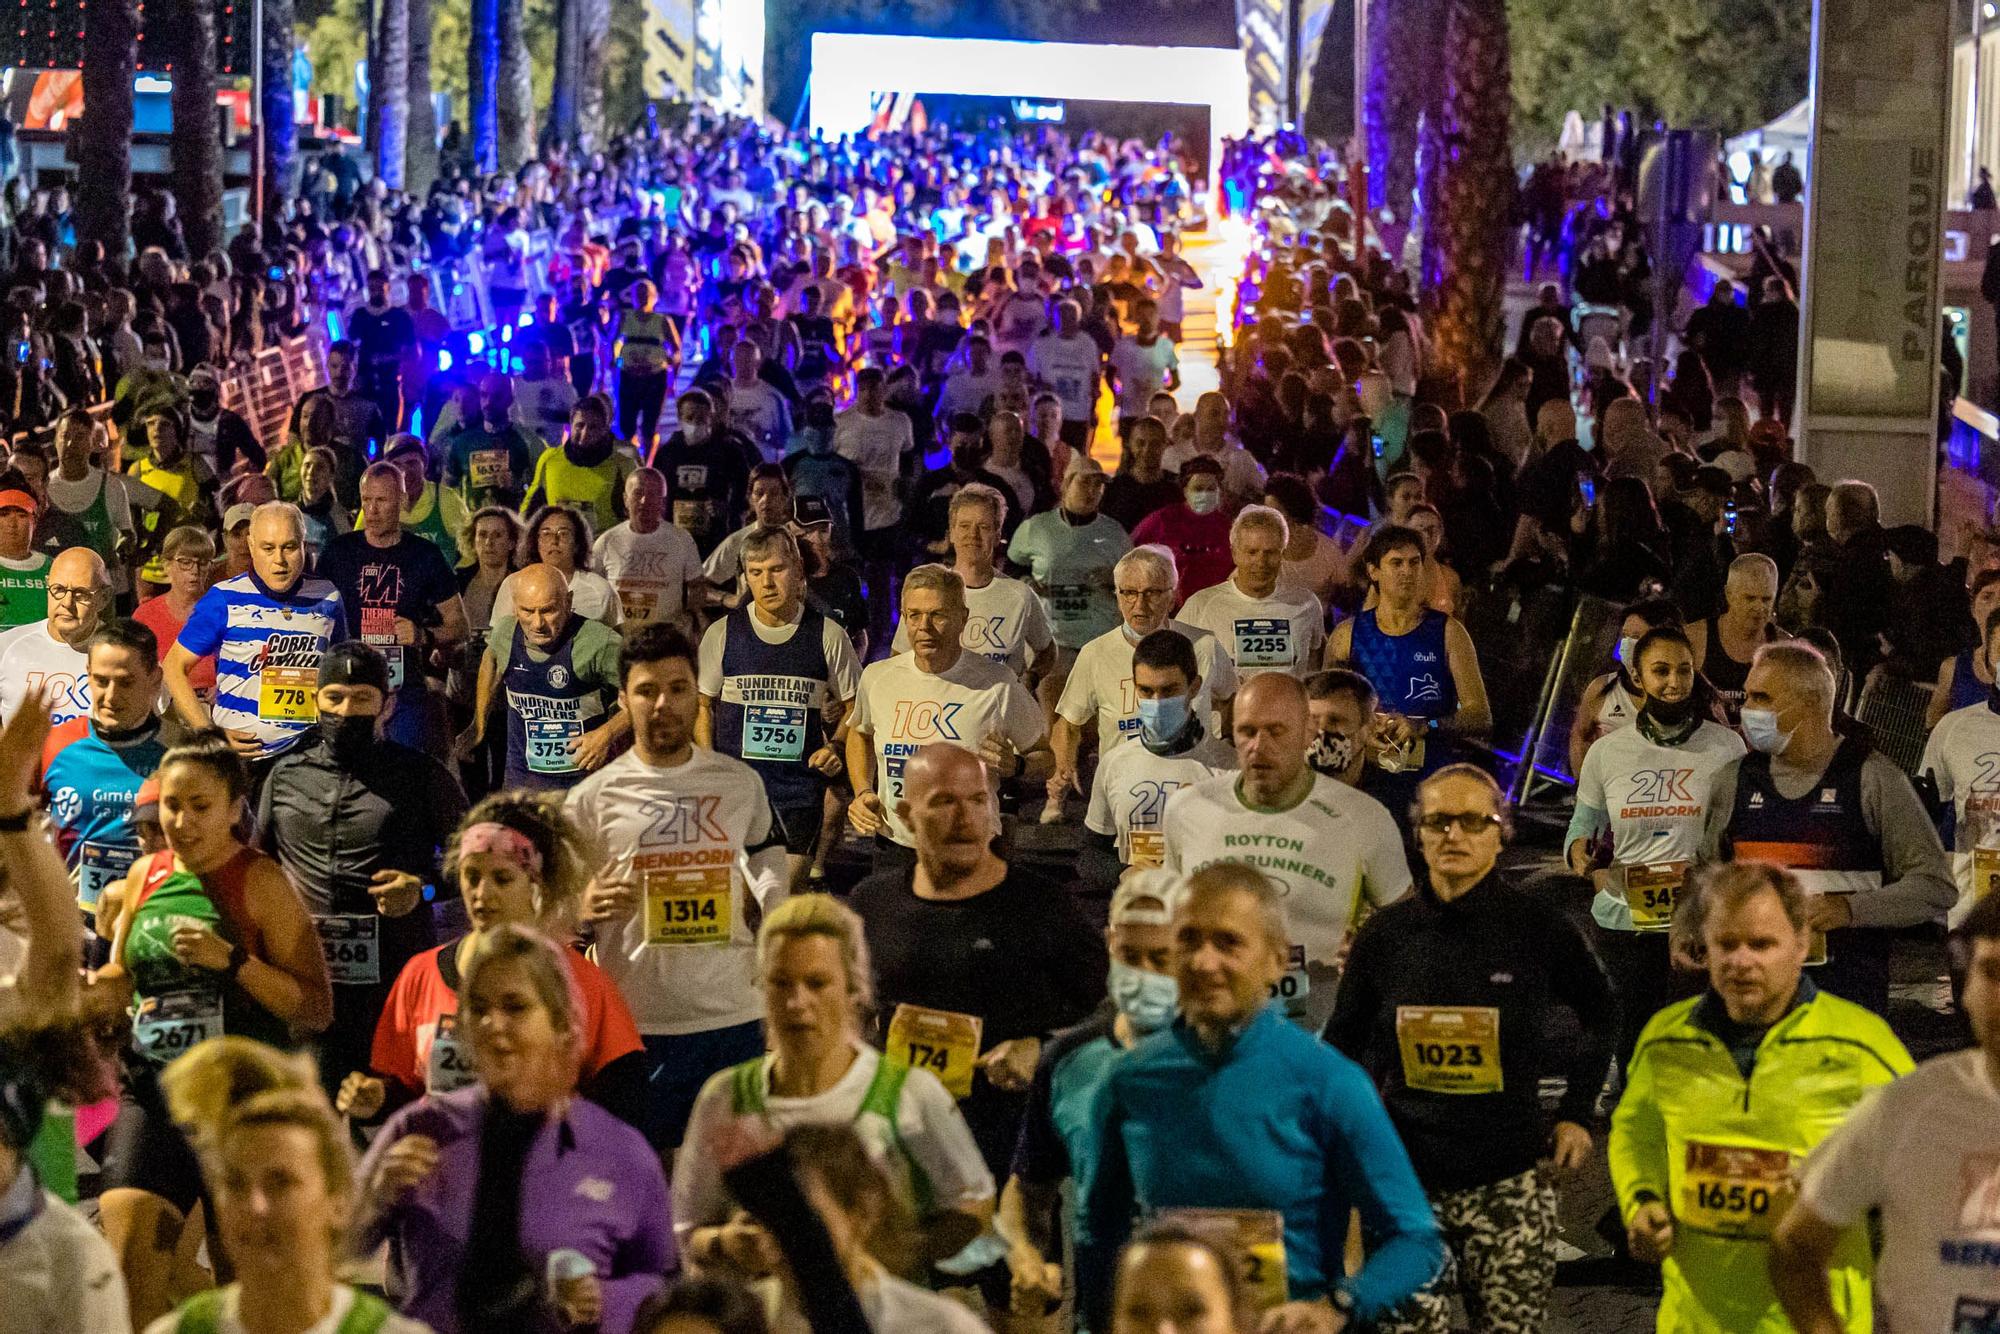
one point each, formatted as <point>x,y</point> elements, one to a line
<point>1129,593</point>
<point>58,593</point>
<point>190,563</point>
<point>1468,823</point>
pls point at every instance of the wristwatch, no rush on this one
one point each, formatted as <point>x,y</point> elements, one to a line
<point>238,956</point>
<point>17,824</point>
<point>1341,1300</point>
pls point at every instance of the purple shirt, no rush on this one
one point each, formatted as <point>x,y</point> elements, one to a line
<point>591,1184</point>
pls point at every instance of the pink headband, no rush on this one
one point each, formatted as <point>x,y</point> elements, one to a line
<point>501,841</point>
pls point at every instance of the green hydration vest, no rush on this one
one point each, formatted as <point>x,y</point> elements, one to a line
<point>176,1006</point>
<point>202,1314</point>
<point>96,519</point>
<point>24,590</point>
<point>875,1122</point>
<point>426,520</point>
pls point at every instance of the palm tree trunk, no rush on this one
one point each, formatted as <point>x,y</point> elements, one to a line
<point>593,29</point>
<point>102,141</point>
<point>1468,191</point>
<point>389,90</point>
<point>561,125</point>
<point>194,151</point>
<point>482,71</point>
<point>420,154</point>
<point>517,88</point>
<point>281,131</point>
<point>1402,64</point>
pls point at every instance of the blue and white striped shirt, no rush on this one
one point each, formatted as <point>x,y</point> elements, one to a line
<point>267,647</point>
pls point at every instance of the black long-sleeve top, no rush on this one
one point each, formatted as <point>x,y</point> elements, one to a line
<point>1021,957</point>
<point>1493,946</point>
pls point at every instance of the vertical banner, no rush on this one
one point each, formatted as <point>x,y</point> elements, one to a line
<point>1870,326</point>
<point>1261,28</point>
<point>729,54</point>
<point>669,49</point>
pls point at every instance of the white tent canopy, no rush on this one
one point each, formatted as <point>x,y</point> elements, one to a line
<point>850,71</point>
<point>1789,133</point>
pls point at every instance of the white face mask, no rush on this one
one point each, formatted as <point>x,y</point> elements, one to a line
<point>1204,501</point>
<point>1628,650</point>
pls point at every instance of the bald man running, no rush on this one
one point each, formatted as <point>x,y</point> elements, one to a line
<point>976,961</point>
<point>47,657</point>
<point>1327,846</point>
<point>559,674</point>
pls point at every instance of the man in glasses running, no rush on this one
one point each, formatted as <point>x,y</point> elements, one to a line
<point>1444,1003</point>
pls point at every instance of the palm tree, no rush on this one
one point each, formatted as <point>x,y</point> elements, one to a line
<point>560,126</point>
<point>194,150</point>
<point>389,90</point>
<point>281,131</point>
<point>482,77</point>
<point>516,95</point>
<point>1402,86</point>
<point>420,154</point>
<point>593,32</point>
<point>1468,193</point>
<point>102,140</point>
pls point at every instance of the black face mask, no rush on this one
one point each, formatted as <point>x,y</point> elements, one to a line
<point>351,737</point>
<point>1671,716</point>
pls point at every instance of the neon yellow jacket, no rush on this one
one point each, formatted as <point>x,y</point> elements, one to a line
<point>1812,1067</point>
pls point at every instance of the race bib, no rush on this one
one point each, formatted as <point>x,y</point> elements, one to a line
<point>1985,871</point>
<point>552,745</point>
<point>1263,642</point>
<point>174,1022</point>
<point>943,1042</point>
<point>1450,1048</point>
<point>286,695</point>
<point>1069,602</point>
<point>98,865</point>
<point>1652,891</point>
<point>1147,847</point>
<point>352,944</point>
<point>1260,1241</point>
<point>689,906</point>
<point>489,469</point>
<point>378,628</point>
<point>1296,984</point>
<point>774,732</point>
<point>449,1065</point>
<point>639,599</point>
<point>1975,1315</point>
<point>1734,1190</point>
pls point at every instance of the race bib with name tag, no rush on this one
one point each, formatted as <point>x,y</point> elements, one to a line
<point>1975,1315</point>
<point>1735,1190</point>
<point>688,906</point>
<point>1985,871</point>
<point>449,1065</point>
<point>1450,1048</point>
<point>639,599</point>
<point>1148,847</point>
<point>1069,603</point>
<point>1652,891</point>
<point>1260,1241</point>
<point>352,944</point>
<point>287,694</point>
<point>488,468</point>
<point>173,1023</point>
<point>552,745</point>
<point>774,732</point>
<point>1296,984</point>
<point>99,865</point>
<point>1263,642</point>
<point>944,1042</point>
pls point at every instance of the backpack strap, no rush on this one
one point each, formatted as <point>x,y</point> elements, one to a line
<point>884,1099</point>
<point>201,1313</point>
<point>369,1315</point>
<point>746,1087</point>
